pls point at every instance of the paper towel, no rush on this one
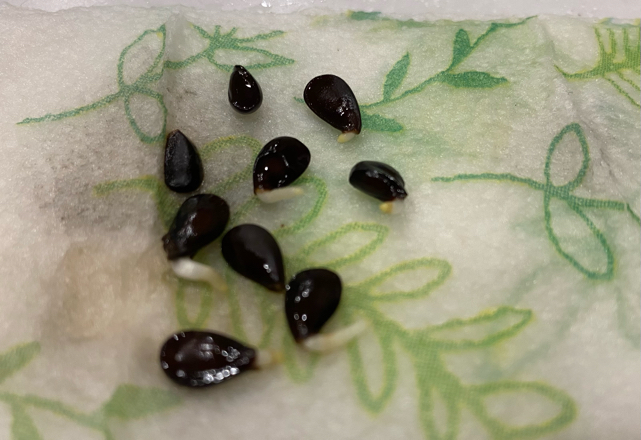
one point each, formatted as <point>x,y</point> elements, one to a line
<point>503,303</point>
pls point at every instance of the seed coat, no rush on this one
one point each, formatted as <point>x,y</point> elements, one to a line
<point>254,253</point>
<point>280,162</point>
<point>199,221</point>
<point>202,358</point>
<point>244,93</point>
<point>378,180</point>
<point>332,100</point>
<point>311,298</point>
<point>183,167</point>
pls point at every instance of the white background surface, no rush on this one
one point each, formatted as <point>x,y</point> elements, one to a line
<point>594,365</point>
<point>456,9</point>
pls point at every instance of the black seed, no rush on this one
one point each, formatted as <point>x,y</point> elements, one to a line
<point>183,167</point>
<point>311,299</point>
<point>252,252</point>
<point>378,180</point>
<point>245,95</point>
<point>279,163</point>
<point>334,102</point>
<point>199,221</point>
<point>202,358</point>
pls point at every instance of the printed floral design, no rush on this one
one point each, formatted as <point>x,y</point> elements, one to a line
<point>128,402</point>
<point>618,65</point>
<point>462,48</point>
<point>564,193</point>
<point>144,84</point>
<point>219,41</point>
<point>426,347</point>
<point>361,301</point>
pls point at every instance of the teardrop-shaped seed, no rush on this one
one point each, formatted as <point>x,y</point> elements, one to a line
<point>334,102</point>
<point>252,252</point>
<point>183,167</point>
<point>311,298</point>
<point>245,95</point>
<point>202,358</point>
<point>279,163</point>
<point>378,180</point>
<point>199,221</point>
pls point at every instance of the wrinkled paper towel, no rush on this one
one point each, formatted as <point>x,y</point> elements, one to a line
<point>503,303</point>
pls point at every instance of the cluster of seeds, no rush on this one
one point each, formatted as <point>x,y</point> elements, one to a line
<point>203,358</point>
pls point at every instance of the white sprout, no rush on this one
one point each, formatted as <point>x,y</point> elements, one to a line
<point>192,270</point>
<point>346,137</point>
<point>278,194</point>
<point>337,339</point>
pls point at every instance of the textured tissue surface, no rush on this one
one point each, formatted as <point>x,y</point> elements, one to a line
<point>503,303</point>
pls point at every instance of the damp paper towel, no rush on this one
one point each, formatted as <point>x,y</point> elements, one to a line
<point>503,303</point>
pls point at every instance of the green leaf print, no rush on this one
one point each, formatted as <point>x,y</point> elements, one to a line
<point>228,41</point>
<point>577,205</point>
<point>22,426</point>
<point>17,358</point>
<point>472,80</point>
<point>618,65</point>
<point>127,402</point>
<point>141,87</point>
<point>424,348</point>
<point>376,122</point>
<point>133,402</point>
<point>395,77</point>
<point>461,48</point>
<point>481,331</point>
<point>392,90</point>
<point>363,300</point>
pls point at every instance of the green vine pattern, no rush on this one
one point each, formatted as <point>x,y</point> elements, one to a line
<point>425,347</point>
<point>220,41</point>
<point>564,193</point>
<point>167,204</point>
<point>619,66</point>
<point>559,329</point>
<point>143,84</point>
<point>462,48</point>
<point>377,16</point>
<point>128,402</point>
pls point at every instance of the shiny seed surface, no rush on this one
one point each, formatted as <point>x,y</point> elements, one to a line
<point>311,298</point>
<point>279,163</point>
<point>202,358</point>
<point>245,95</point>
<point>378,180</point>
<point>254,253</point>
<point>199,221</point>
<point>334,102</point>
<point>183,167</point>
